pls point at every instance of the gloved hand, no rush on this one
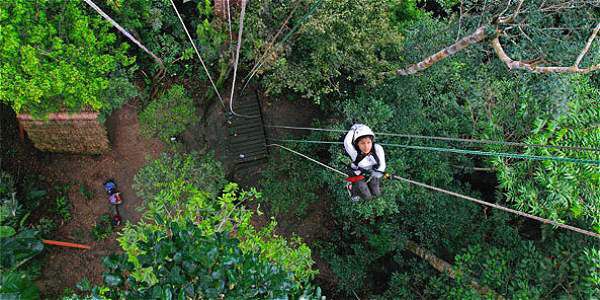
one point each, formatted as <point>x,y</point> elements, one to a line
<point>377,174</point>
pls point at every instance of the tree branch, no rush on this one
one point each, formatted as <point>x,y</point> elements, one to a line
<point>515,64</point>
<point>444,267</point>
<point>587,45</point>
<point>511,18</point>
<point>475,37</point>
<point>125,33</point>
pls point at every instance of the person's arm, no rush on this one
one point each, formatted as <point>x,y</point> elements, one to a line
<point>348,144</point>
<point>381,155</point>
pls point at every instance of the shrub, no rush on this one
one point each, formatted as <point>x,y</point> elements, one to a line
<point>45,226</point>
<point>177,254</point>
<point>103,227</point>
<point>203,172</point>
<point>169,115</point>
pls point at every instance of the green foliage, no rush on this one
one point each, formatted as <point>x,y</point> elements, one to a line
<point>119,91</point>
<point>293,255</point>
<point>342,45</point>
<point>62,207</point>
<point>18,249</point>
<point>159,28</point>
<point>16,209</point>
<point>85,191</point>
<point>521,271</point>
<point>289,192</point>
<point>56,57</point>
<point>407,11</point>
<point>103,228</point>
<point>204,172</point>
<point>183,187</point>
<point>46,227</point>
<point>169,115</point>
<point>516,269</point>
<point>180,239</point>
<point>18,244</point>
<point>17,285</point>
<point>560,191</point>
<point>466,95</point>
<point>178,254</point>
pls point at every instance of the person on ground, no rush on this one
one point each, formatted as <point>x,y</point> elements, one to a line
<point>368,159</point>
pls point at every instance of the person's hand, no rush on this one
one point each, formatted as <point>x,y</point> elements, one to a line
<point>377,174</point>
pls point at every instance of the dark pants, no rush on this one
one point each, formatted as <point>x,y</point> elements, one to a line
<point>367,190</point>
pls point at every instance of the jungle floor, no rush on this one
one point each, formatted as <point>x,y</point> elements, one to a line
<point>62,268</point>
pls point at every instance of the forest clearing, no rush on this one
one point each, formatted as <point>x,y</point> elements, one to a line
<point>303,149</point>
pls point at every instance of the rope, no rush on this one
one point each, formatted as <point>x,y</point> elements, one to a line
<point>235,64</point>
<point>229,23</point>
<point>259,64</point>
<point>464,151</point>
<point>433,188</point>
<point>198,54</point>
<point>520,213</point>
<point>441,138</point>
<point>124,32</point>
<point>313,160</point>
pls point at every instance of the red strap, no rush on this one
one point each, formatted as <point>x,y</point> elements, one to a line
<point>355,179</point>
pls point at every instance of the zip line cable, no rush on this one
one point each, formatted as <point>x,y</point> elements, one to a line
<point>506,209</point>
<point>437,189</point>
<point>311,159</point>
<point>261,61</point>
<point>124,32</point>
<point>462,151</point>
<point>198,54</point>
<point>450,139</point>
<point>235,64</point>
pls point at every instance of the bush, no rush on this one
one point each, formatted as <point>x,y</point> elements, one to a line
<point>15,251</point>
<point>103,227</point>
<point>178,254</point>
<point>63,207</point>
<point>169,115</point>
<point>203,172</point>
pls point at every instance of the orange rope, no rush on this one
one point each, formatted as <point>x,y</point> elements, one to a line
<point>66,244</point>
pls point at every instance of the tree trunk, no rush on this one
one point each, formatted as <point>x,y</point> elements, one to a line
<point>444,267</point>
<point>473,38</point>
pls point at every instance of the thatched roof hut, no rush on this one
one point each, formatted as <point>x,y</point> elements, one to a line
<point>80,133</point>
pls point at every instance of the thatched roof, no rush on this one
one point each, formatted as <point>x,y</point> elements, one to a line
<point>64,132</point>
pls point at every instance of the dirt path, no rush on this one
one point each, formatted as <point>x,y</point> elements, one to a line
<point>64,267</point>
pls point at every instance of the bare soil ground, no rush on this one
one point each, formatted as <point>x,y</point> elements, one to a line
<point>64,267</point>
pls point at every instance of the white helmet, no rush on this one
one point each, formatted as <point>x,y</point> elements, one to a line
<point>360,131</point>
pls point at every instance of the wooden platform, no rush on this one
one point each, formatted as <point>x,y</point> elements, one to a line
<point>246,140</point>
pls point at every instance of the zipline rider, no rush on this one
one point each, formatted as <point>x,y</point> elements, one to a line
<point>368,159</point>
